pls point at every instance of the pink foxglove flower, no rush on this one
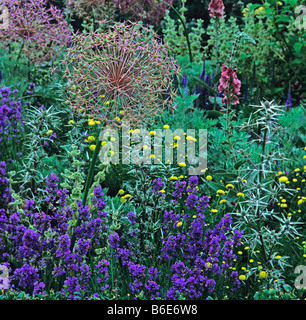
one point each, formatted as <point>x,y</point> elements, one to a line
<point>229,85</point>
<point>40,29</point>
<point>216,8</point>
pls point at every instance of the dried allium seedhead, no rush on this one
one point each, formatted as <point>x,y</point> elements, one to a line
<point>41,30</point>
<point>125,72</point>
<point>151,11</point>
<point>87,9</point>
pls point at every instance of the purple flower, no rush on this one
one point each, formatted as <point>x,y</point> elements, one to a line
<point>131,217</point>
<point>288,104</point>
<point>98,201</point>
<point>202,204</point>
<point>179,189</point>
<point>191,201</point>
<point>157,185</point>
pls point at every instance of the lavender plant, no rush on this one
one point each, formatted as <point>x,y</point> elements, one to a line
<point>11,125</point>
<point>171,230</point>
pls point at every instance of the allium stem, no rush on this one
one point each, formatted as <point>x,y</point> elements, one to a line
<point>88,183</point>
<point>19,54</point>
<point>186,32</point>
<point>91,170</point>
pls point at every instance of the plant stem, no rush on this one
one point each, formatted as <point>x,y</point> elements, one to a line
<point>186,32</point>
<point>91,170</point>
<point>87,184</point>
<point>19,54</point>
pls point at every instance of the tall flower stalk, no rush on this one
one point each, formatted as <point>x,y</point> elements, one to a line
<point>124,73</point>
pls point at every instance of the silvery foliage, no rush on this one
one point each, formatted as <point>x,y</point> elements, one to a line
<point>264,222</point>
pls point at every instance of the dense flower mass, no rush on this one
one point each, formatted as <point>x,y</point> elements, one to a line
<point>40,30</point>
<point>76,228</point>
<point>123,73</point>
<point>229,85</point>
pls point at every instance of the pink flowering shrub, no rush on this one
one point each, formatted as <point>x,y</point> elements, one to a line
<point>87,9</point>
<point>216,8</point>
<point>40,30</point>
<point>229,85</point>
<point>150,10</point>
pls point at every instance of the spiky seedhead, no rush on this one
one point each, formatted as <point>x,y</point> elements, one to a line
<point>41,30</point>
<point>125,72</point>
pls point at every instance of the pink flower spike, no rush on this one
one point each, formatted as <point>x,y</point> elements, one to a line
<point>229,84</point>
<point>216,8</point>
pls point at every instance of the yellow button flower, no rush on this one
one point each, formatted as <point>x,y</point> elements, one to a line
<point>182,164</point>
<point>229,186</point>
<point>173,178</point>
<point>152,133</point>
<point>179,224</point>
<point>242,277</point>
<point>263,274</point>
<point>166,126</point>
<point>121,192</point>
<point>240,194</point>
<point>92,147</point>
<point>71,122</point>
<point>49,132</point>
<point>220,192</point>
<point>91,138</point>
<point>283,179</point>
<point>190,138</point>
<point>209,178</point>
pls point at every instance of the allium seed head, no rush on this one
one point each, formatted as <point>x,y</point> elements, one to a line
<point>100,9</point>
<point>41,30</point>
<point>132,74</point>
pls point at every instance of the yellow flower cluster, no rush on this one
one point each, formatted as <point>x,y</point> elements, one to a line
<point>125,197</point>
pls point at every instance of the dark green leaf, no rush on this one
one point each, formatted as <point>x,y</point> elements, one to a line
<point>254,6</point>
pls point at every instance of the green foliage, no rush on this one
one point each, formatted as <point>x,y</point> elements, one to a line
<point>175,37</point>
